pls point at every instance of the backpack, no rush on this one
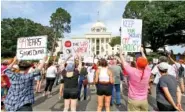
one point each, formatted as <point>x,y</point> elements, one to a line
<point>83,71</point>
<point>181,71</point>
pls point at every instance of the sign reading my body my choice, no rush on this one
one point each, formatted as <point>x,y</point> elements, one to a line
<point>131,35</point>
<point>32,48</point>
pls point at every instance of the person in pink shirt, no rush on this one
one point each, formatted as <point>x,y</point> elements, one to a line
<point>138,83</point>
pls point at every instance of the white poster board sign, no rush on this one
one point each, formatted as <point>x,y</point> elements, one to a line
<point>72,46</point>
<point>131,34</point>
<point>155,61</point>
<point>32,48</point>
<point>88,60</point>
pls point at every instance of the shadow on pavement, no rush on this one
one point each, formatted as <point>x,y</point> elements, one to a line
<point>82,105</point>
<point>61,107</point>
<point>44,98</point>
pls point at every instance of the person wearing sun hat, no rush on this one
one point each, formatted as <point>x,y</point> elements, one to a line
<point>168,94</point>
<point>138,83</point>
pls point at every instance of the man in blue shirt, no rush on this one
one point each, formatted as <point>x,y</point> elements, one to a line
<point>20,96</point>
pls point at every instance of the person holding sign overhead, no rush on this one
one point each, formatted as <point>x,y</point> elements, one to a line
<point>138,83</point>
<point>20,96</point>
<point>70,80</point>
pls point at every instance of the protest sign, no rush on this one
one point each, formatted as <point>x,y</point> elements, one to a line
<point>88,59</point>
<point>155,60</point>
<point>131,35</point>
<point>72,46</point>
<point>32,48</point>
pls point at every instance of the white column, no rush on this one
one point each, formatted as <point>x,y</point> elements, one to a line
<point>100,48</point>
<point>95,46</point>
<point>90,46</point>
<point>105,45</point>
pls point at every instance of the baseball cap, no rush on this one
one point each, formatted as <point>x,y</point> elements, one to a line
<point>70,67</point>
<point>141,62</point>
<point>163,59</point>
<point>163,66</point>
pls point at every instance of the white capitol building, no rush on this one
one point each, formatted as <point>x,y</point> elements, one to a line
<point>99,40</point>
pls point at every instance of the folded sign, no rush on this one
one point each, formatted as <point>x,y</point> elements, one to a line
<point>32,48</point>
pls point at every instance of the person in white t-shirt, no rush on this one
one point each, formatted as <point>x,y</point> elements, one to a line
<point>180,76</point>
<point>91,74</point>
<point>50,78</point>
<point>155,71</point>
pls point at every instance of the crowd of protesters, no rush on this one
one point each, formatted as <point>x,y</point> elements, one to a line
<point>106,75</point>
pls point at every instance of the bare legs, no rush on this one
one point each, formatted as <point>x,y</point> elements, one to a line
<point>38,86</point>
<point>70,103</point>
<point>107,103</point>
<point>100,103</point>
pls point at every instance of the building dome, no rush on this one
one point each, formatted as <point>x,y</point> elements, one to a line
<point>98,27</point>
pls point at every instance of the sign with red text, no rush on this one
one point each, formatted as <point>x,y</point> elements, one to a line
<point>73,46</point>
<point>32,48</point>
<point>131,35</point>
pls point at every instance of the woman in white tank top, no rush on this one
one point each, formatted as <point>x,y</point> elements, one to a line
<point>104,81</point>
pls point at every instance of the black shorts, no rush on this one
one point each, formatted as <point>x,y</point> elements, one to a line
<point>62,81</point>
<point>70,93</point>
<point>104,89</point>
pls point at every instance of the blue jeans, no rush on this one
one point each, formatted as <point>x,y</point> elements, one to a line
<point>118,94</point>
<point>80,87</point>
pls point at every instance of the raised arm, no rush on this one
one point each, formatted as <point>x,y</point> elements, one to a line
<point>142,53</point>
<point>41,65</point>
<point>80,63</point>
<point>171,59</point>
<point>61,65</point>
<point>122,57</point>
<point>13,62</point>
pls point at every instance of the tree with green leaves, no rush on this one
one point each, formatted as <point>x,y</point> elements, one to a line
<point>163,22</point>
<point>12,29</point>
<point>60,22</point>
<point>115,41</point>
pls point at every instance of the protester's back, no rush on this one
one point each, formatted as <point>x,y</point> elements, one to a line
<point>116,70</point>
<point>83,71</point>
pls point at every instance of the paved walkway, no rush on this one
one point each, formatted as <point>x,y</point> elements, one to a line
<point>54,104</point>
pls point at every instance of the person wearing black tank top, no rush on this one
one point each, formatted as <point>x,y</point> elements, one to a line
<point>70,80</point>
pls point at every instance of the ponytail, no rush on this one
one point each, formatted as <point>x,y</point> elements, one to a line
<point>142,74</point>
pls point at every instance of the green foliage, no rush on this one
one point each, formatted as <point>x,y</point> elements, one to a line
<point>60,22</point>
<point>12,29</point>
<point>163,21</point>
<point>115,41</point>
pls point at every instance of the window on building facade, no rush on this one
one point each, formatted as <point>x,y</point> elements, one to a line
<point>112,48</point>
<point>97,30</point>
<point>107,40</point>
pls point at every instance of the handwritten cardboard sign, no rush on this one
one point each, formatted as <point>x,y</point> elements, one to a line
<point>32,48</point>
<point>131,35</point>
<point>73,46</point>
